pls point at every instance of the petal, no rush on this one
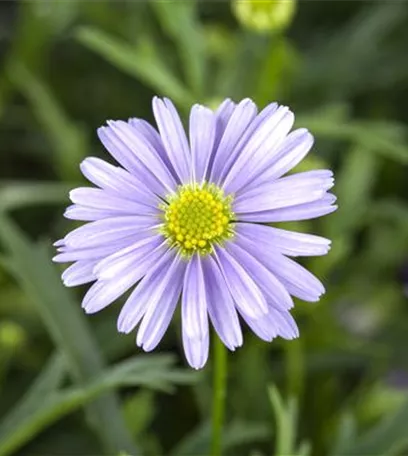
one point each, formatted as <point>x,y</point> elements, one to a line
<point>104,292</point>
<point>173,137</point>
<point>194,302</point>
<point>222,116</point>
<point>79,273</point>
<point>109,230</point>
<point>287,327</point>
<point>143,151</point>
<point>68,254</point>
<point>148,293</point>
<point>87,214</point>
<point>286,242</point>
<point>160,311</point>
<point>246,293</point>
<point>260,147</point>
<point>298,212</point>
<point>195,349</point>
<point>291,151</point>
<point>117,181</point>
<point>238,123</point>
<point>285,192</point>
<point>151,135</point>
<point>262,327</point>
<point>194,314</point>
<point>124,152</point>
<point>244,138</point>
<point>275,293</point>
<point>202,134</point>
<point>221,308</point>
<point>296,279</point>
<point>100,199</point>
<point>138,256</point>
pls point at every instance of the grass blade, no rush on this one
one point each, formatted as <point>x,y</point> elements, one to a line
<point>179,22</point>
<point>140,61</point>
<point>32,267</point>
<point>14,195</point>
<point>68,141</point>
<point>41,413</point>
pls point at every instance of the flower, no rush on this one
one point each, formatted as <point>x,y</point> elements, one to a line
<point>188,218</point>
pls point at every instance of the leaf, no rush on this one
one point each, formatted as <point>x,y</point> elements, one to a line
<point>235,434</point>
<point>141,61</point>
<point>366,55</point>
<point>139,411</point>
<point>346,433</point>
<point>389,209</point>
<point>148,370</point>
<point>32,267</point>
<point>387,438</point>
<point>286,422</point>
<point>47,382</point>
<point>14,195</point>
<point>354,183</point>
<point>68,141</point>
<point>179,21</point>
<point>371,135</point>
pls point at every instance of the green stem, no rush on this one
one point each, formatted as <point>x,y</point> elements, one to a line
<point>219,395</point>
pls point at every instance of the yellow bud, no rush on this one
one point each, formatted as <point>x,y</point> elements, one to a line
<point>264,16</point>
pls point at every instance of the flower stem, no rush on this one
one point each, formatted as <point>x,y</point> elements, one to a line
<point>219,395</point>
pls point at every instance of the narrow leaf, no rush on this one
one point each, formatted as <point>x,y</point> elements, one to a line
<point>141,61</point>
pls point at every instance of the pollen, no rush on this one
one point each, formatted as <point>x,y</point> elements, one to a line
<point>196,217</point>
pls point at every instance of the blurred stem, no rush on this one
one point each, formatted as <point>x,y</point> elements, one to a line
<point>294,367</point>
<point>219,395</point>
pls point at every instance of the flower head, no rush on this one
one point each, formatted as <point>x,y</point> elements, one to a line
<point>189,218</point>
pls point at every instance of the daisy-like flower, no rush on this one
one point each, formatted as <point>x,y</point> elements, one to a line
<point>191,218</point>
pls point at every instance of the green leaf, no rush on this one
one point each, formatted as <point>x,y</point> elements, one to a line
<point>387,438</point>
<point>305,449</point>
<point>139,411</point>
<point>235,434</point>
<point>14,195</point>
<point>32,267</point>
<point>286,422</point>
<point>47,382</point>
<point>149,370</point>
<point>374,136</point>
<point>346,433</point>
<point>179,21</point>
<point>67,140</point>
<point>389,209</point>
<point>354,183</point>
<point>141,61</point>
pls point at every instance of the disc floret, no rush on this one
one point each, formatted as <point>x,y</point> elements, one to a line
<point>196,217</point>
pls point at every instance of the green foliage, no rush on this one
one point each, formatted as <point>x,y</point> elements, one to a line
<point>142,61</point>
<point>70,384</point>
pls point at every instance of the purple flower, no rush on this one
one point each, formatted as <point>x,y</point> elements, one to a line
<point>188,218</point>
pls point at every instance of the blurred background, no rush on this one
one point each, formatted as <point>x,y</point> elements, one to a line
<point>69,384</point>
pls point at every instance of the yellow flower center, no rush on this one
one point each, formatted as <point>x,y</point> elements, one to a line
<point>196,217</point>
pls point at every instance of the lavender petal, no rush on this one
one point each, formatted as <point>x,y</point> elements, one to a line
<point>286,242</point>
<point>202,134</point>
<point>247,296</point>
<point>173,137</point>
<point>221,308</point>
